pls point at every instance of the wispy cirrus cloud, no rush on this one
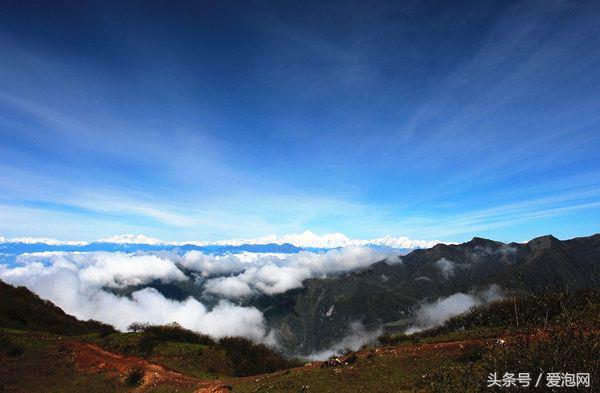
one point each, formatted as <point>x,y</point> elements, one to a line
<point>418,125</point>
<point>510,214</point>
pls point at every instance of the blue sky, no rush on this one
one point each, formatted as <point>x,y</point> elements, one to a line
<point>213,120</point>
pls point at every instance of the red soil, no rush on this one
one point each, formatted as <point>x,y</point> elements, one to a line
<point>91,358</point>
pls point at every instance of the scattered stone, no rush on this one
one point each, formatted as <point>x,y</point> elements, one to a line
<point>336,361</point>
<point>331,362</point>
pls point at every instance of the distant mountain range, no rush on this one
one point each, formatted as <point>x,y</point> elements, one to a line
<point>387,294</point>
<point>129,243</point>
<point>10,249</point>
<point>305,240</point>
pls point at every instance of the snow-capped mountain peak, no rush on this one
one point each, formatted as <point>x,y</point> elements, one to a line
<point>306,239</point>
<point>42,240</point>
<point>130,238</point>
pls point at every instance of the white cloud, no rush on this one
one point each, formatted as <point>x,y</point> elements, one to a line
<point>434,314</point>
<point>272,279</point>
<point>208,264</point>
<point>272,274</point>
<point>78,281</point>
<point>115,269</point>
<point>356,337</point>
<point>446,267</point>
<point>229,287</point>
<point>75,281</point>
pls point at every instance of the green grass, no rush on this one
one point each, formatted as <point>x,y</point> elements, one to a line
<point>532,311</point>
<point>570,343</point>
<point>370,373</point>
<point>568,349</point>
<point>43,367</point>
<point>195,354</point>
<point>197,360</point>
<point>38,362</point>
<point>193,359</point>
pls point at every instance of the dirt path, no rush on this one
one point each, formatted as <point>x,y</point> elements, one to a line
<point>93,359</point>
<point>411,349</point>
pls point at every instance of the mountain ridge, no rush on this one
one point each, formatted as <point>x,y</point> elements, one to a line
<point>306,239</point>
<point>389,292</point>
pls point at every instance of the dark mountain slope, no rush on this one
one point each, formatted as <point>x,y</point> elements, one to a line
<point>22,309</point>
<point>36,355</point>
<point>316,316</point>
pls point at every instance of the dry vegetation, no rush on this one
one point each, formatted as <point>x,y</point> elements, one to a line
<point>543,332</point>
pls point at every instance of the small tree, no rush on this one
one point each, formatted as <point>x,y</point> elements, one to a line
<point>137,327</point>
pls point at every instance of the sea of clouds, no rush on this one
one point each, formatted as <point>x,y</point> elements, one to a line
<point>90,285</point>
<point>84,284</point>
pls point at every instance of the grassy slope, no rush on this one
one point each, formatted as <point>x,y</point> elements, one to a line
<point>514,314</point>
<point>43,362</point>
<point>556,333</point>
<point>374,371</point>
<point>42,365</point>
<point>36,351</point>
<point>389,292</point>
<point>30,357</point>
<point>22,309</point>
<point>196,354</point>
<point>32,353</point>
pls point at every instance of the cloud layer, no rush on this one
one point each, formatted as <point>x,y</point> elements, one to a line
<point>434,314</point>
<point>77,283</point>
<point>356,337</point>
<point>84,283</point>
<point>277,273</point>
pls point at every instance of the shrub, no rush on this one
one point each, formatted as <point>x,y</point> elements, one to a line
<point>175,332</point>
<point>137,327</point>
<point>564,349</point>
<point>352,358</point>
<point>537,310</point>
<point>398,338</point>
<point>242,356</point>
<point>155,334</point>
<point>135,377</point>
<point>249,358</point>
<point>9,347</point>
